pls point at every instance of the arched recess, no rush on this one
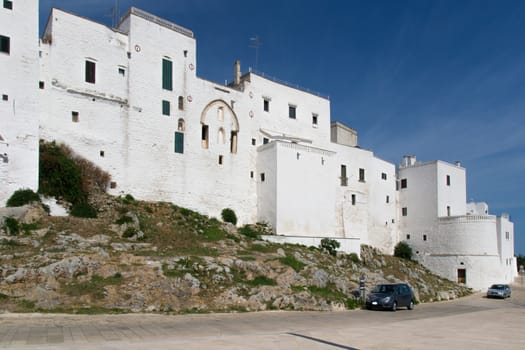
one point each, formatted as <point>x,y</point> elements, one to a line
<point>222,107</point>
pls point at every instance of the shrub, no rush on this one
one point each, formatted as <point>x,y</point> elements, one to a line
<point>130,232</point>
<point>228,215</point>
<point>262,281</point>
<point>330,245</point>
<point>248,231</point>
<point>11,226</point>
<point>83,210</point>
<point>22,197</point>
<point>292,262</point>
<point>124,220</point>
<point>354,258</point>
<point>403,250</point>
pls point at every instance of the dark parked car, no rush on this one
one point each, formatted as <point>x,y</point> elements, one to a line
<point>499,291</point>
<point>390,296</point>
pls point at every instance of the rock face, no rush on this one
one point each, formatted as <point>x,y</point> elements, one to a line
<point>183,262</point>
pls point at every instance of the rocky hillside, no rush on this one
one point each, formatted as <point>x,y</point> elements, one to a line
<point>157,257</point>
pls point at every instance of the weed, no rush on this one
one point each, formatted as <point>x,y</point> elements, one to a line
<point>354,258</point>
<point>262,248</point>
<point>83,210</point>
<point>249,232</point>
<point>125,219</point>
<point>11,226</point>
<point>28,227</point>
<point>261,281</point>
<point>292,262</point>
<point>22,197</point>
<point>130,232</point>
<point>330,245</point>
<point>214,233</point>
<point>93,287</point>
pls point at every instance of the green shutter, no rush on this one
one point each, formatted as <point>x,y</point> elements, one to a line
<point>165,107</point>
<point>167,75</point>
<point>179,142</point>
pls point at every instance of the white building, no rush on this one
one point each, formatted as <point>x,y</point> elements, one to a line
<point>19,66</point>
<point>468,246</point>
<point>129,99</point>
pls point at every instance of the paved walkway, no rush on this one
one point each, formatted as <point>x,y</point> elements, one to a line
<point>472,322</point>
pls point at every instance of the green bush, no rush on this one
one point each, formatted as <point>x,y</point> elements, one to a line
<point>403,250</point>
<point>292,262</point>
<point>22,197</point>
<point>228,215</point>
<point>124,220</point>
<point>83,210</point>
<point>262,281</point>
<point>354,258</point>
<point>330,245</point>
<point>248,231</point>
<point>11,226</point>
<point>129,232</point>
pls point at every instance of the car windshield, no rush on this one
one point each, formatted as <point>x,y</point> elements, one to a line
<point>497,286</point>
<point>383,288</point>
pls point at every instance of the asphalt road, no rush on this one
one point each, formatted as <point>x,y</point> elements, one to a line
<point>472,322</point>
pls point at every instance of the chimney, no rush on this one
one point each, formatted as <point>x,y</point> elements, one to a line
<point>458,163</point>
<point>237,73</point>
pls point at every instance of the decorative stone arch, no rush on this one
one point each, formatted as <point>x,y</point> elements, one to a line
<point>234,129</point>
<point>224,105</point>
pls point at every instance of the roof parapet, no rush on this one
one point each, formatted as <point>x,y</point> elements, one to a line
<point>162,22</point>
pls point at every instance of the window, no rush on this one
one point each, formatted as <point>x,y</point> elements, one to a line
<point>251,174</point>
<point>265,141</point>
<point>403,183</point>
<point>165,107</point>
<point>315,119</point>
<point>361,175</point>
<point>353,199</point>
<point>291,112</point>
<point>102,154</point>
<point>462,276</point>
<point>388,199</point>
<point>8,4</point>
<point>179,142</point>
<point>5,98</point>
<point>344,179</point>
<point>404,211</point>
<point>220,114</point>
<point>5,44</point>
<point>122,71</point>
<point>383,176</point>
<point>448,210</point>
<point>424,237</point>
<point>185,53</point>
<point>41,85</point>
<point>167,74</point>
<point>204,136</point>
<point>220,160</point>
<point>181,103</point>
<point>448,180</point>
<point>181,125</point>
<point>262,177</point>
<point>266,105</point>
<point>112,184</point>
<point>507,235</point>
<point>408,236</point>
<point>74,117</point>
<point>90,72</point>
<point>254,142</point>
<point>233,142</point>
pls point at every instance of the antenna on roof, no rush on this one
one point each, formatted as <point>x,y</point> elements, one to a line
<point>255,43</point>
<point>115,15</point>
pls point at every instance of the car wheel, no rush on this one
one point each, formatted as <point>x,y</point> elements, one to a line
<point>411,305</point>
<point>394,306</point>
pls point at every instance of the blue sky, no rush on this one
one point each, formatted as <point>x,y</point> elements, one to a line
<point>438,79</point>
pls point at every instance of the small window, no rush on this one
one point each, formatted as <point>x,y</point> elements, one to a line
<point>204,136</point>
<point>181,125</point>
<point>383,176</point>
<point>292,112</point>
<point>507,235</point>
<point>74,117</point>
<point>232,104</point>
<point>361,175</point>
<point>5,44</point>
<point>408,237</point>
<point>388,199</point>
<point>102,154</point>
<point>254,142</point>
<point>403,183</point>
<point>165,107</point>
<point>353,199</point>
<point>8,4</point>
<point>448,180</point>
<point>265,141</point>
<point>424,237</point>
<point>315,119</point>
<point>344,179</point>
<point>122,71</point>
<point>220,160</point>
<point>404,211</point>
<point>233,142</point>
<point>262,177</point>
<point>251,174</point>
<point>41,85</point>
<point>181,103</point>
<point>185,53</point>
<point>220,114</point>
<point>90,72</point>
<point>5,98</point>
<point>112,184</point>
<point>179,142</point>
<point>266,105</point>
<point>448,210</point>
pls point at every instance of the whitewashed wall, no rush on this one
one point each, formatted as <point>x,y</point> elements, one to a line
<point>19,114</point>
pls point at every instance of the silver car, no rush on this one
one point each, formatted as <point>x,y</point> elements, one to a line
<point>499,291</point>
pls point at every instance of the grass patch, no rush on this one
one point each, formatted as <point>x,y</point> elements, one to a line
<point>262,248</point>
<point>331,294</point>
<point>292,262</point>
<point>214,234</point>
<point>249,231</point>
<point>262,281</point>
<point>94,287</point>
<point>125,219</point>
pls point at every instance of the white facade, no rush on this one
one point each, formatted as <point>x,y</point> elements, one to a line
<point>129,99</point>
<point>467,246</point>
<point>19,108</point>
